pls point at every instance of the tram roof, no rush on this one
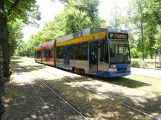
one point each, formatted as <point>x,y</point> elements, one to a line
<point>88,31</point>
<point>116,30</point>
<point>38,47</point>
<point>49,44</point>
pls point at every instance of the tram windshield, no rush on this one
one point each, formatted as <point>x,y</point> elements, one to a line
<point>119,52</point>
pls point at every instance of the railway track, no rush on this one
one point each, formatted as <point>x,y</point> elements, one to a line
<point>126,105</point>
<point>57,94</point>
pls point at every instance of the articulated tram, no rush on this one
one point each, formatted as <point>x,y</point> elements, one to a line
<point>98,51</point>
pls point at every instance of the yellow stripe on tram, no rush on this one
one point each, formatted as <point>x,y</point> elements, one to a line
<point>83,39</point>
<point>38,48</point>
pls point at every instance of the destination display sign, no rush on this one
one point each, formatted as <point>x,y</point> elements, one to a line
<point>117,36</point>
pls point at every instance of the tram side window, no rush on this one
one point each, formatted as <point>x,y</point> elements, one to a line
<point>102,50</point>
<point>38,54</point>
<point>71,52</point>
<point>83,51</point>
<point>59,52</point>
<point>50,53</point>
<point>43,54</point>
<point>47,53</point>
<point>79,51</point>
<point>104,56</point>
<point>75,52</point>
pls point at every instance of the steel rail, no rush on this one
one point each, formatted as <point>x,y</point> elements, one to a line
<point>121,103</point>
<point>77,111</point>
<point>128,106</point>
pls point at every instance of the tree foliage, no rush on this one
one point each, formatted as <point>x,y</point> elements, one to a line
<point>19,13</point>
<point>142,19</point>
<point>76,15</point>
<point>143,22</point>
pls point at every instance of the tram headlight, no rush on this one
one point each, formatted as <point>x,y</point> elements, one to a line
<point>112,66</point>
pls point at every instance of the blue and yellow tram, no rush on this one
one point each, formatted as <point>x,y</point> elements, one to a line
<point>99,51</point>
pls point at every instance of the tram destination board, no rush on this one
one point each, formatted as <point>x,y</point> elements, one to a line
<point>117,36</point>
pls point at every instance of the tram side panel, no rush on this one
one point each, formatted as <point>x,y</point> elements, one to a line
<point>79,56</point>
<point>92,54</point>
<point>44,54</point>
<point>38,54</point>
<point>51,53</point>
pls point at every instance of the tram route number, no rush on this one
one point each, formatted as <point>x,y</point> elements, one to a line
<point>1,62</point>
<point>118,36</point>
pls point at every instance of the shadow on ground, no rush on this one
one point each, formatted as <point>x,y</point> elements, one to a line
<point>126,82</point>
<point>150,106</point>
<point>35,101</point>
<point>15,65</point>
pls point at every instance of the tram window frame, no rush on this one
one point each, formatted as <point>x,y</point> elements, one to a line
<point>46,54</point>
<point>43,53</point>
<point>84,51</point>
<point>50,53</point>
<point>38,53</point>
<point>79,52</point>
<point>101,45</point>
<point>104,52</point>
<point>71,52</point>
<point>59,53</point>
<point>76,51</point>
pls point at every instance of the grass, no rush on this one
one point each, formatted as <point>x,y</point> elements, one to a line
<point>147,63</point>
<point>93,106</point>
<point>96,107</point>
<point>132,81</point>
<point>151,80</point>
<point>154,84</point>
<point>139,82</point>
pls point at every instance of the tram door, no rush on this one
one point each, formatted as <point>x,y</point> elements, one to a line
<point>66,55</point>
<point>93,57</point>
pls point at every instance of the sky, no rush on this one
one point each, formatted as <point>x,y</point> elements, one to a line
<point>50,9</point>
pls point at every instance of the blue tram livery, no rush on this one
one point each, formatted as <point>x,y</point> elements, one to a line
<point>98,51</point>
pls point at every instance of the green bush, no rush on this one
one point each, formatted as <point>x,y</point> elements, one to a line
<point>142,63</point>
<point>135,53</point>
<point>135,63</point>
<point>138,63</point>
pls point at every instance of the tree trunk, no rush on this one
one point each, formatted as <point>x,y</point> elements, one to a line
<point>4,44</point>
<point>142,39</point>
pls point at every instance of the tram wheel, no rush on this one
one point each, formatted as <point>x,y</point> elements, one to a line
<point>77,70</point>
<point>81,71</point>
<point>73,69</point>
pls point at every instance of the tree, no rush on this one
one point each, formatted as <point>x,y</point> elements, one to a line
<point>15,13</point>
<point>77,15</point>
<point>137,17</point>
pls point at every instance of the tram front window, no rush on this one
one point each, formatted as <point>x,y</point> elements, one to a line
<point>119,52</point>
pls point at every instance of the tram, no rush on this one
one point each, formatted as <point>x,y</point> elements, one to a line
<point>98,51</point>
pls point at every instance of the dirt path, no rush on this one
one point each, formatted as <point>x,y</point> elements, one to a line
<point>145,101</point>
<point>26,98</point>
